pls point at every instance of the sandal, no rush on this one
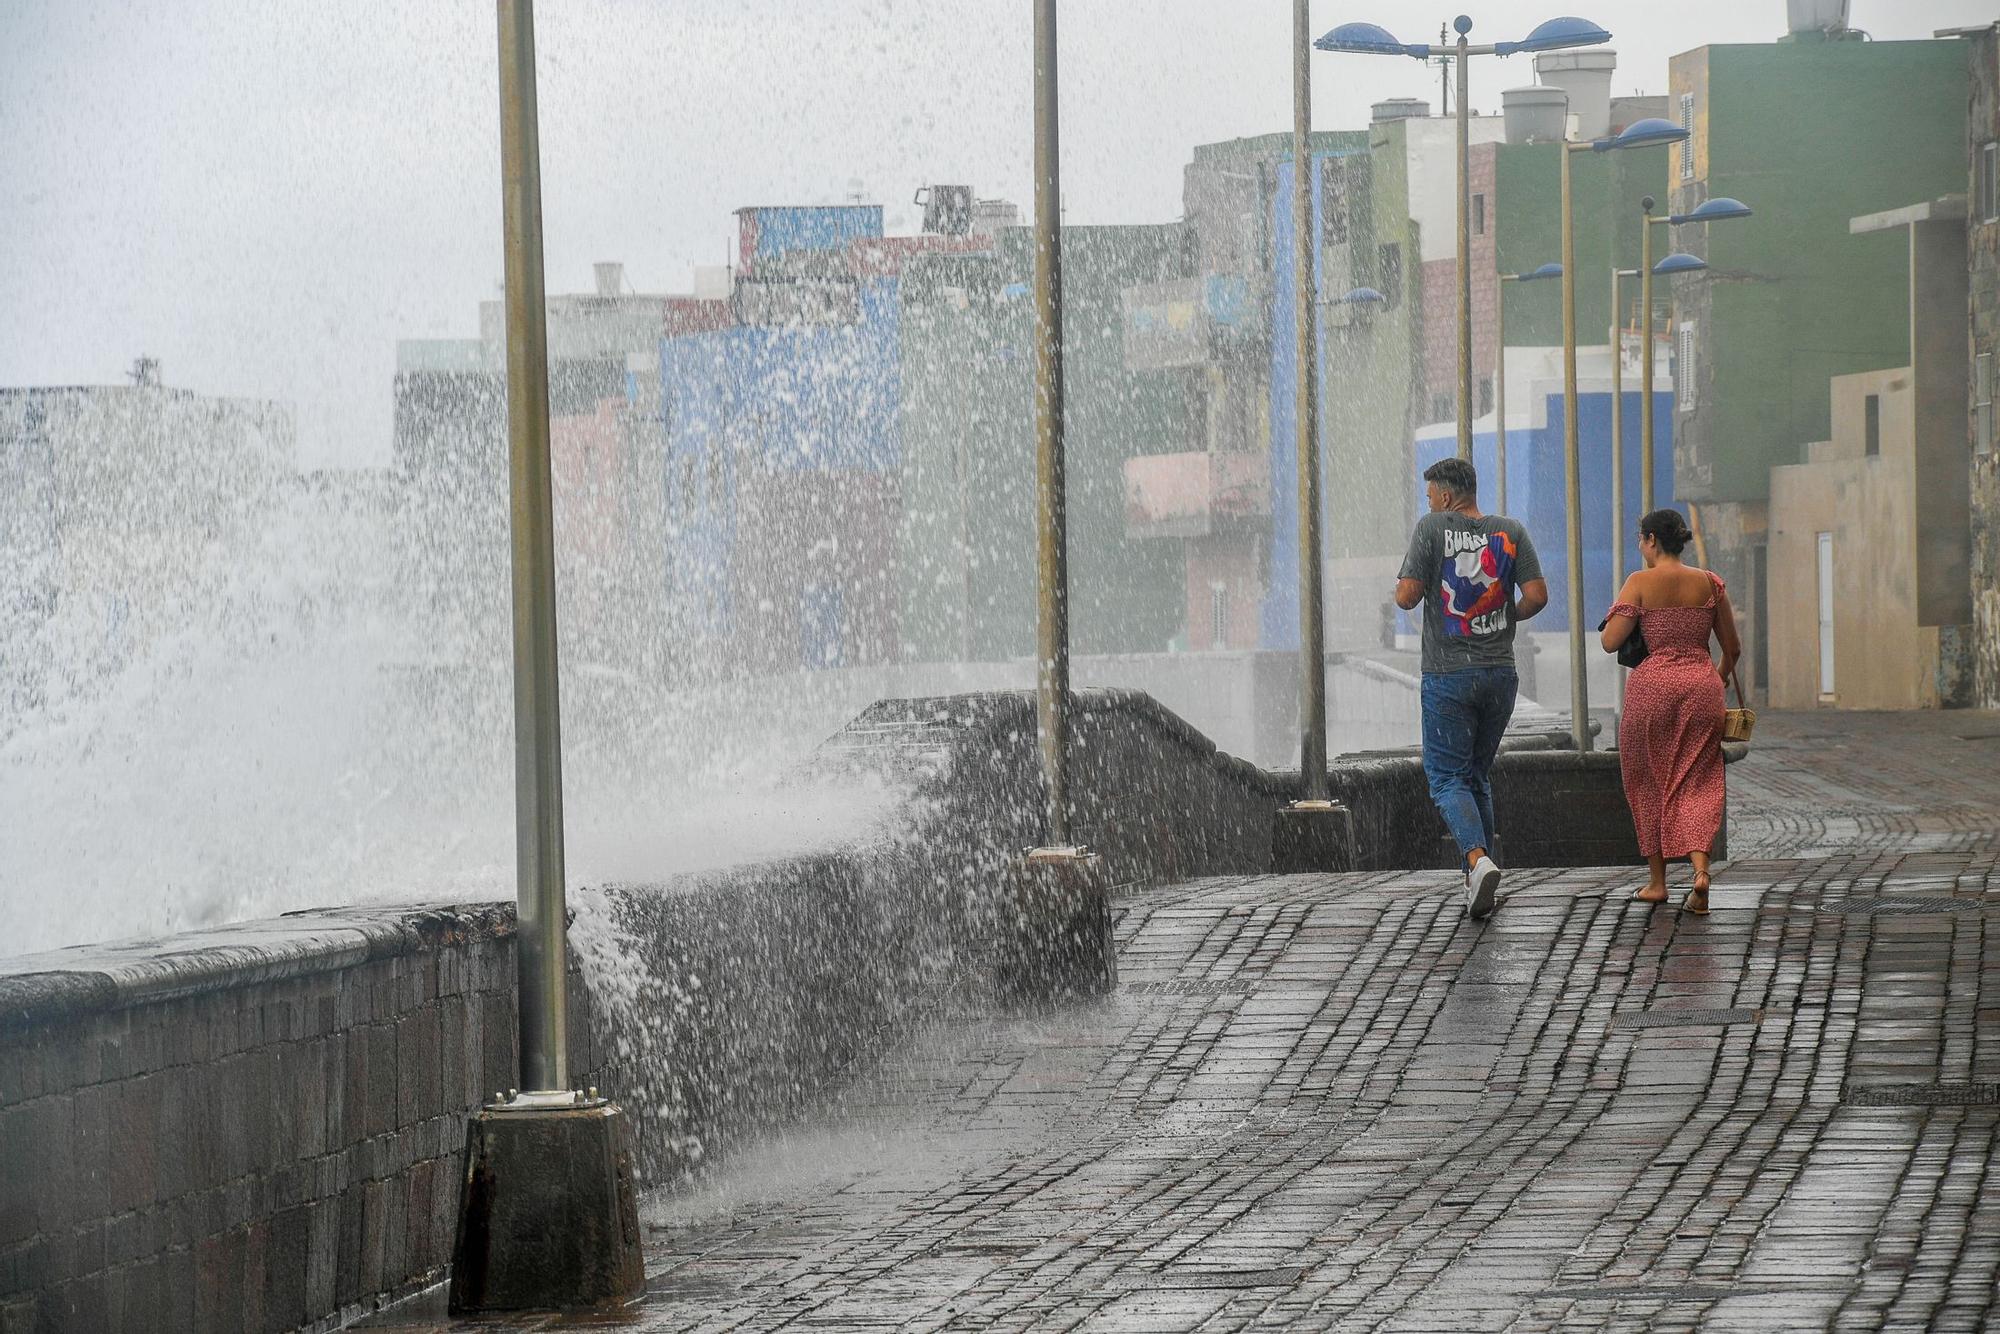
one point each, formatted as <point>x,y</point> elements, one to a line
<point>1643,895</point>
<point>1696,901</point>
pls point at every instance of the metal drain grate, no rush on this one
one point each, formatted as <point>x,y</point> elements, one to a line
<point>1632,1292</point>
<point>1190,986</point>
<point>1922,1095</point>
<point>1684,1018</point>
<point>1911,905</point>
<point>1203,1280</point>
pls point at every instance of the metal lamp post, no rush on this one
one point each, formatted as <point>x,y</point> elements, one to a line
<point>548,1218</point>
<point>1051,519</point>
<point>1312,624</point>
<point>1372,39</point>
<point>1618,276</point>
<point>1667,267</point>
<point>1313,832</point>
<point>1059,937</point>
<point>1720,209</point>
<point>1312,602</point>
<point>1639,134</point>
<point>1500,374</point>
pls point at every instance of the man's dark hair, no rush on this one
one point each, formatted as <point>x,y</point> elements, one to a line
<point>1455,475</point>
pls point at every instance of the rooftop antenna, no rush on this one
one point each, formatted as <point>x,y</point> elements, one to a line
<point>1444,71</point>
<point>145,373</point>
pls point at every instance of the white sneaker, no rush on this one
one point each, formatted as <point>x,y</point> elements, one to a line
<point>1481,882</point>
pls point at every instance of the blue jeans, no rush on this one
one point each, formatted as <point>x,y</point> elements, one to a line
<point>1465,713</point>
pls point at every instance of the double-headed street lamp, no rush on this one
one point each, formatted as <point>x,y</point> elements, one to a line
<point>1500,373</point>
<point>1720,209</point>
<point>1372,39</point>
<point>1640,134</point>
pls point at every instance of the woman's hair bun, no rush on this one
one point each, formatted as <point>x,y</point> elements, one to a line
<point>1668,528</point>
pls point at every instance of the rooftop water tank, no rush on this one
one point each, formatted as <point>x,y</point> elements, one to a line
<point>1815,16</point>
<point>1399,108</point>
<point>1586,77</point>
<point>1535,114</point>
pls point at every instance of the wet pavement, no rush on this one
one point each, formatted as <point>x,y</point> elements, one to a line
<point>1333,1102</point>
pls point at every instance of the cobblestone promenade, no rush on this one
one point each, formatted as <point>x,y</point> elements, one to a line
<point>1333,1102</point>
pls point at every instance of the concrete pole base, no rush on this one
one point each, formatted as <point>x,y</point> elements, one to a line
<point>548,1218</point>
<point>1055,927</point>
<point>1313,836</point>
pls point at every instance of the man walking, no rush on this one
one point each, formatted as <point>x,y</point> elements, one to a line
<point>1477,576</point>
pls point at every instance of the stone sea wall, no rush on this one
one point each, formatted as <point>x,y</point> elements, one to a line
<point>261,1127</point>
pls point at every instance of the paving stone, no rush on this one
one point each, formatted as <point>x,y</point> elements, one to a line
<point>1329,1101</point>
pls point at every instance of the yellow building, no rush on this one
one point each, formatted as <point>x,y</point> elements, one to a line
<point>1870,597</point>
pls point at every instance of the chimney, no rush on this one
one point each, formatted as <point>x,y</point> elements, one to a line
<point>1535,114</point>
<point>610,278</point>
<point>1586,76</point>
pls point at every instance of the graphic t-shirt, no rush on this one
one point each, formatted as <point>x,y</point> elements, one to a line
<point>1470,569</point>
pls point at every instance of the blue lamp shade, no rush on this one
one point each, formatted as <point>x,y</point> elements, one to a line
<point>1643,134</point>
<point>1545,271</point>
<point>1556,35</point>
<point>1715,210</point>
<point>1679,263</point>
<point>1363,296</point>
<point>1370,39</point>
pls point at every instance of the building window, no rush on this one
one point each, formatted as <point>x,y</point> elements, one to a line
<point>1218,615</point>
<point>1871,425</point>
<point>1479,215</point>
<point>1389,268</point>
<point>1989,183</point>
<point>1441,407</point>
<point>1485,395</point>
<point>1982,403</point>
<point>1685,395</point>
<point>1687,144</point>
<point>1333,202</point>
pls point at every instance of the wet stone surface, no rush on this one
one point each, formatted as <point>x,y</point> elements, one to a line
<point>1333,1102</point>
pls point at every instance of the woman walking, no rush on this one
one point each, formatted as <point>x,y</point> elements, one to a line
<point>1670,736</point>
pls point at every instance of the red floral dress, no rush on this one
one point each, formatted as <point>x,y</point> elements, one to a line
<point>1670,737</point>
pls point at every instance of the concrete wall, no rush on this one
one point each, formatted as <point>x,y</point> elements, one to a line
<point>1883,657</point>
<point>1983,269</point>
<point>260,1128</point>
<point>1246,702</point>
<point>1900,525</point>
<point>250,1128</point>
<point>1938,292</point>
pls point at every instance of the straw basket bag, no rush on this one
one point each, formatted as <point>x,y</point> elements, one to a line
<point>1738,723</point>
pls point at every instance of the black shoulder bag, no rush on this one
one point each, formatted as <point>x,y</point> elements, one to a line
<point>1633,651</point>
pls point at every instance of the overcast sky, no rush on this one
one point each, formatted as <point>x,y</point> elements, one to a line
<point>266,194</point>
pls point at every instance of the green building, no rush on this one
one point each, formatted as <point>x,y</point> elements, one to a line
<point>1607,190</point>
<point>1811,131</point>
<point>966,543</point>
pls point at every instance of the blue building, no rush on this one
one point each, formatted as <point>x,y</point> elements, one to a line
<point>781,451</point>
<point>1535,486</point>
